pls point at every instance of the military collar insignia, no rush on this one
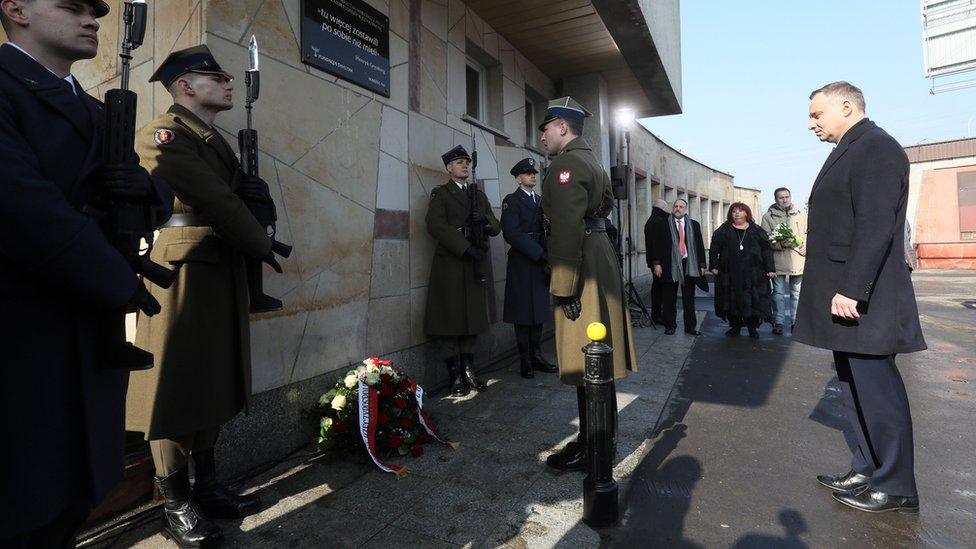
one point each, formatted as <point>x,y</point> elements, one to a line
<point>164,136</point>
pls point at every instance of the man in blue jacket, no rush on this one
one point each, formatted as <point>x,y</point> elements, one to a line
<point>62,432</point>
<point>527,283</point>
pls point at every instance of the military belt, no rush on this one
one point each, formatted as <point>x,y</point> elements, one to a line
<point>185,220</point>
<point>595,223</point>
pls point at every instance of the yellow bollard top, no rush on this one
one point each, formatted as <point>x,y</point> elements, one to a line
<point>596,331</point>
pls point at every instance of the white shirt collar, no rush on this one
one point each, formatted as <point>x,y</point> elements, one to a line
<point>460,184</point>
<point>530,193</point>
<point>69,79</point>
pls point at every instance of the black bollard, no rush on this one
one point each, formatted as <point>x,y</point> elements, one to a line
<point>599,488</point>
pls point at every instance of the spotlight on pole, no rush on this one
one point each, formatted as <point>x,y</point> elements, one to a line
<point>625,118</point>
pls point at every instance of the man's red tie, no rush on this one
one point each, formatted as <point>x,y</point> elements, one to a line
<point>682,248</point>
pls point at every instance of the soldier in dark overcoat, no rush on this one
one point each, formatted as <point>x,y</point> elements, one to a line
<point>457,292</point>
<point>60,278</point>
<point>526,281</point>
<point>201,341</point>
<point>857,297</point>
<point>586,282</point>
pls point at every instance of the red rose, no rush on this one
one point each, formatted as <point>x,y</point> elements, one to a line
<point>405,384</point>
<point>417,451</point>
<point>400,403</point>
<point>395,441</point>
<point>423,438</point>
<point>406,423</point>
<point>385,378</point>
<point>386,390</point>
<point>382,418</point>
<point>340,426</point>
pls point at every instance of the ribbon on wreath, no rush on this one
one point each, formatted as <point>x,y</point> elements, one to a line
<point>418,392</point>
<point>368,423</point>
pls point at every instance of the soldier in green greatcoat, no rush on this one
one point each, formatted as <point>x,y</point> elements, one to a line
<point>586,282</point>
<point>457,293</point>
<point>201,340</point>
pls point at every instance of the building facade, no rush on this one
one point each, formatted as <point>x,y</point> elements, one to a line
<point>351,170</point>
<point>942,203</point>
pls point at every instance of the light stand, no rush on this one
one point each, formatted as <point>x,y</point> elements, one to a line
<point>640,317</point>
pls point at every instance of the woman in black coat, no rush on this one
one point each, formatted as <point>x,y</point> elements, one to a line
<point>742,261</point>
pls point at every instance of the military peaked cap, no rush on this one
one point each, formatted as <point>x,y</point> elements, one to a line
<point>101,8</point>
<point>526,165</point>
<point>454,154</point>
<point>197,59</point>
<point>566,108</point>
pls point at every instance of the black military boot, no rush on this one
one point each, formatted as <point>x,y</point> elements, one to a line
<point>467,365</point>
<point>183,522</point>
<point>539,361</point>
<point>214,498</point>
<point>525,361</point>
<point>573,456</point>
<point>458,386</point>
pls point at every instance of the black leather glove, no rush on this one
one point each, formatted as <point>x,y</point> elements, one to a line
<point>144,301</point>
<point>543,259</point>
<point>475,253</point>
<point>129,182</point>
<point>253,189</point>
<point>571,307</point>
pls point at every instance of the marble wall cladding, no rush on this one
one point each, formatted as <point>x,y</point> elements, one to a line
<point>392,192</point>
<point>391,260</point>
<point>433,16</point>
<point>433,76</point>
<point>393,134</point>
<point>422,246</point>
<point>389,324</point>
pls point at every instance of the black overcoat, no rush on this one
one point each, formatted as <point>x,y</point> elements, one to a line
<point>62,431</point>
<point>526,282</point>
<point>657,217</point>
<point>663,244</point>
<point>741,285</point>
<point>855,243</point>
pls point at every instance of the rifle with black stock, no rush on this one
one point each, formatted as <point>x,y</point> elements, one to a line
<point>127,224</point>
<point>263,209</point>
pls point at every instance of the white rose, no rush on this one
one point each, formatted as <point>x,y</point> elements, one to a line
<point>326,423</point>
<point>372,378</point>
<point>369,362</point>
<point>338,402</point>
<point>351,381</point>
<point>386,370</point>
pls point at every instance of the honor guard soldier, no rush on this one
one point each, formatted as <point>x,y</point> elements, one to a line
<point>60,278</point>
<point>526,281</point>
<point>586,283</point>
<point>201,341</point>
<point>457,293</point>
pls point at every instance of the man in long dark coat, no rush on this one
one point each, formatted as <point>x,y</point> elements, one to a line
<point>658,217</point>
<point>857,297</point>
<point>457,292</point>
<point>201,341</point>
<point>62,432</point>
<point>678,260</point>
<point>526,281</point>
<point>586,283</point>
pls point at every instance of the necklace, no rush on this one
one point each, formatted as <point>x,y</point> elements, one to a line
<point>741,238</point>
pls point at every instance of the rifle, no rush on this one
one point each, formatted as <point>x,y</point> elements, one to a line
<point>264,211</point>
<point>124,223</point>
<point>475,230</point>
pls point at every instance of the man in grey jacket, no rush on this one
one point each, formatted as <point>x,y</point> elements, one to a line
<point>789,258</point>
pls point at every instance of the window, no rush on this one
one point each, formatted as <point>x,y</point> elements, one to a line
<point>530,132</point>
<point>535,112</point>
<point>475,84</point>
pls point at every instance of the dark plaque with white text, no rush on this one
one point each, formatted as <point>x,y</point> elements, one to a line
<point>350,39</point>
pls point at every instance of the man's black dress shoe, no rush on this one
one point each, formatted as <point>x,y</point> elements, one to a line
<point>693,332</point>
<point>850,480</point>
<point>873,501</point>
<point>669,331</point>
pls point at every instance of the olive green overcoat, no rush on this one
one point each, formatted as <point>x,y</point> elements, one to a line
<point>457,304</point>
<point>584,263</point>
<point>201,339</point>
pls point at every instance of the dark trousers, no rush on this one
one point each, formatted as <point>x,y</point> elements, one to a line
<point>58,533</point>
<point>877,409</point>
<point>669,301</point>
<point>528,335</point>
<point>171,454</point>
<point>657,300</point>
<point>737,322</point>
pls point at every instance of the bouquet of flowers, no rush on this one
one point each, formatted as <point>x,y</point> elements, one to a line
<point>783,234</point>
<point>378,408</point>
